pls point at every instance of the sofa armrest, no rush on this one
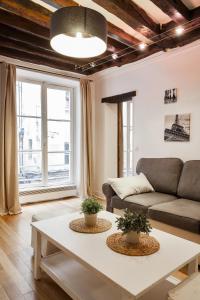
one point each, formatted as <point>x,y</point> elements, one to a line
<point>109,193</point>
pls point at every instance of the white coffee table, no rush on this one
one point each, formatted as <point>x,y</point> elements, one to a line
<point>88,270</point>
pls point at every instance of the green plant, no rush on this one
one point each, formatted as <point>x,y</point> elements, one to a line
<point>133,222</point>
<point>91,206</point>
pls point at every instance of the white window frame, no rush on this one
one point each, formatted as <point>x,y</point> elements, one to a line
<point>127,171</point>
<point>44,131</point>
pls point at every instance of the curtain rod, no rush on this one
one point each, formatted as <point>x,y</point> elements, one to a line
<point>47,72</point>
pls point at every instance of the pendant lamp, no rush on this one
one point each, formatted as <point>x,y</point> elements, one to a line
<point>78,32</point>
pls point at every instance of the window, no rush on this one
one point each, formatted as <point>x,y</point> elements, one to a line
<point>45,134</point>
<point>127,111</point>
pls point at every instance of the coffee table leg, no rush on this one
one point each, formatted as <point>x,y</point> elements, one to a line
<point>37,254</point>
<point>193,266</point>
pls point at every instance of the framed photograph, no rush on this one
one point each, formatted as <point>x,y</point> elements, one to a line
<point>170,96</point>
<point>177,128</point>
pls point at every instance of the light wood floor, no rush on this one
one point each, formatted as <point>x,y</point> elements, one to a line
<point>16,255</point>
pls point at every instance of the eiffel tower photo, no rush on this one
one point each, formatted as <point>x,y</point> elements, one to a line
<point>177,128</point>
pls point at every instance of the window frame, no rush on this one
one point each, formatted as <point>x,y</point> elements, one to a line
<point>127,170</point>
<point>44,132</point>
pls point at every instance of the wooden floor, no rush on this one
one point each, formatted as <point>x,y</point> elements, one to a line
<point>16,255</point>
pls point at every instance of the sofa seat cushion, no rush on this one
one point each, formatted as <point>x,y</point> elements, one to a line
<point>182,213</point>
<point>141,202</point>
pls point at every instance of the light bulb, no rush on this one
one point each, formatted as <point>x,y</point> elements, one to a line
<point>114,55</point>
<point>92,64</point>
<point>79,35</point>
<point>179,30</point>
<point>142,46</point>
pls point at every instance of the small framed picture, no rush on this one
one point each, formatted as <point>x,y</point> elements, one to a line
<point>170,96</point>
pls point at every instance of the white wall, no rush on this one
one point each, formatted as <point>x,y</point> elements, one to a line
<point>179,68</point>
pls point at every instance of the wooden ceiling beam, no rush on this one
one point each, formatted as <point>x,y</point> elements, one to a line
<point>189,37</point>
<point>132,15</point>
<point>40,15</point>
<point>175,9</point>
<point>28,9</point>
<point>36,59</point>
<point>9,43</point>
<point>24,24</point>
<point>19,35</point>
<point>183,40</point>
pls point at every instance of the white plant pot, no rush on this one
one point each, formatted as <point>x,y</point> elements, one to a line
<point>132,237</point>
<point>90,220</point>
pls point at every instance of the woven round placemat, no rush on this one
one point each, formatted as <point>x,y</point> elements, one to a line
<point>79,226</point>
<point>147,245</point>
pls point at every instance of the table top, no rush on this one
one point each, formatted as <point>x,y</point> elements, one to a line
<point>133,274</point>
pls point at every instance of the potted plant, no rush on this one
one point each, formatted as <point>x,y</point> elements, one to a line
<point>90,207</point>
<point>132,224</point>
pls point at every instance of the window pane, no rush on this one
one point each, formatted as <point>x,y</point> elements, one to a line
<point>131,113</point>
<point>124,162</point>
<point>131,140</point>
<point>58,103</point>
<point>58,136</point>
<point>58,167</point>
<point>124,112</point>
<point>130,161</point>
<point>29,168</point>
<point>29,133</point>
<point>28,99</point>
<point>125,138</point>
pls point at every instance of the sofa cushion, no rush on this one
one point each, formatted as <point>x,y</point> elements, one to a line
<point>130,185</point>
<point>141,202</point>
<point>189,185</point>
<point>162,173</point>
<point>182,213</point>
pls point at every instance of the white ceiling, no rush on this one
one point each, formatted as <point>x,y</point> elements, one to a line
<point>153,11</point>
<point>191,3</point>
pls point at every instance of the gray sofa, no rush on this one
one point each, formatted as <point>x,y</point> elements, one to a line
<point>176,200</point>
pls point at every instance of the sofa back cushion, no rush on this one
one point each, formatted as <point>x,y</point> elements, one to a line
<point>162,173</point>
<point>189,185</point>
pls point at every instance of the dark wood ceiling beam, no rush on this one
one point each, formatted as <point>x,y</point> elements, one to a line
<point>28,9</point>
<point>121,36</point>
<point>35,59</point>
<point>40,15</point>
<point>189,37</point>
<point>195,13</point>
<point>175,9</point>
<point>43,44</point>
<point>183,40</point>
<point>34,50</point>
<point>24,24</point>
<point>131,14</point>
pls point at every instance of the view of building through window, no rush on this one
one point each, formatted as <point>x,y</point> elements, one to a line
<point>44,116</point>
<point>128,168</point>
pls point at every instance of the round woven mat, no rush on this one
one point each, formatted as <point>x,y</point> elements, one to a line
<point>147,245</point>
<point>79,226</point>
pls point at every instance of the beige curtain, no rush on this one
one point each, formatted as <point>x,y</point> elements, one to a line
<point>9,196</point>
<point>120,140</point>
<point>86,147</point>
